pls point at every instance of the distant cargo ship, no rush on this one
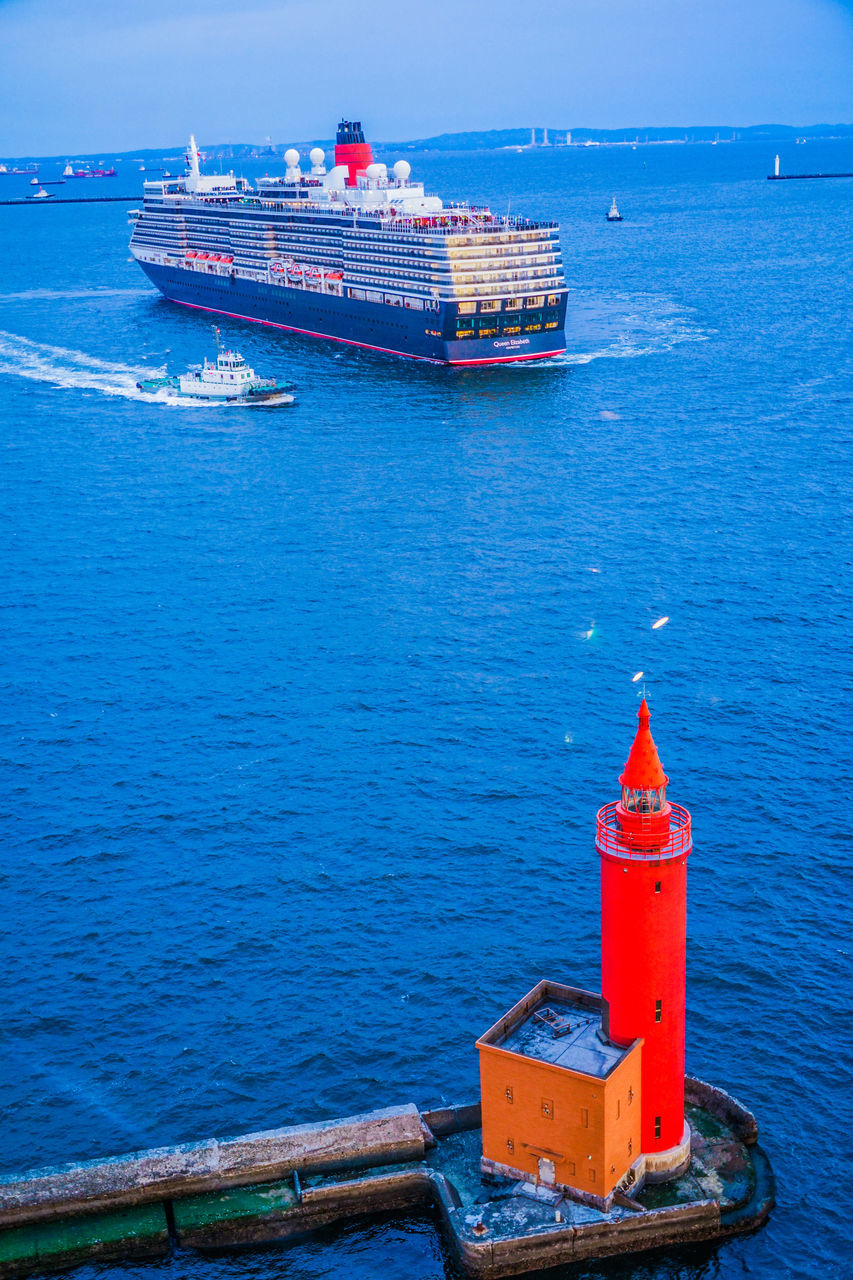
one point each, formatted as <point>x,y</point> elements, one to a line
<point>357,255</point>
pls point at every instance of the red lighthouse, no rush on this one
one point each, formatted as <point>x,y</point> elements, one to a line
<point>644,842</point>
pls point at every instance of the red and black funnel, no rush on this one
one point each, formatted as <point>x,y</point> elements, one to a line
<point>352,150</point>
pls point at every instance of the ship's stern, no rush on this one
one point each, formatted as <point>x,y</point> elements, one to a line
<point>496,331</point>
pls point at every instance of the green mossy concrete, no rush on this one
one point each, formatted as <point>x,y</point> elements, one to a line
<point>212,1207</point>
<point>141,1230</point>
<point>17,1249</point>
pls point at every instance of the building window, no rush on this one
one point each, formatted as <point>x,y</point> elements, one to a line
<point>548,1108</point>
<point>630,1146</point>
<point>537,301</point>
<point>467,308</point>
<point>490,306</point>
<point>592,1175</point>
<point>630,1096</point>
<point>509,1093</point>
<point>512,304</point>
<point>553,299</point>
<point>570,1166</point>
<point>657,1010</point>
<point>618,1108</point>
<point>657,1126</point>
<point>657,886</point>
<point>585,1117</point>
<point>510,1145</point>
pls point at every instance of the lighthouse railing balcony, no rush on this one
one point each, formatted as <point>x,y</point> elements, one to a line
<point>640,844</point>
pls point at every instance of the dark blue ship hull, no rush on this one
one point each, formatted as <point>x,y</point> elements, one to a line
<point>421,335</point>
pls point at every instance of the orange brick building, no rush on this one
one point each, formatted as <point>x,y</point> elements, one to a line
<point>560,1104</point>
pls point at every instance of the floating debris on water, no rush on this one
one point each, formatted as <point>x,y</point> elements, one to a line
<point>661,622</point>
<point>636,677</point>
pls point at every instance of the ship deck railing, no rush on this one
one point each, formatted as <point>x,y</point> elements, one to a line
<point>455,221</point>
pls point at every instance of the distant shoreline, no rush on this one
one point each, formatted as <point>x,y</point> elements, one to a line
<point>491,140</point>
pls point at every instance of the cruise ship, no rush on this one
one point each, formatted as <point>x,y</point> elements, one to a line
<point>356,254</point>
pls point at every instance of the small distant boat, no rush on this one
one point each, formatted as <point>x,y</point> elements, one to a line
<point>225,380</point>
<point>34,182</point>
<point>41,194</point>
<point>67,172</point>
<point>613,214</point>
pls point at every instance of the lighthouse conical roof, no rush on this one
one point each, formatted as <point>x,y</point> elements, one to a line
<point>643,769</point>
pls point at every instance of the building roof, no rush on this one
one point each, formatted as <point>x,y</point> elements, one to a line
<point>643,769</point>
<point>559,1025</point>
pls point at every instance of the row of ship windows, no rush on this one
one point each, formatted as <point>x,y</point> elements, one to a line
<point>509,304</point>
<point>488,326</point>
<point>442,277</point>
<point>393,299</point>
<point>506,330</point>
<point>452,242</point>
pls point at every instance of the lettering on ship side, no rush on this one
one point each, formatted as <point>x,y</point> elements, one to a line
<point>511,342</point>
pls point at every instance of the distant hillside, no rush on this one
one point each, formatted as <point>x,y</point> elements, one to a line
<point>474,140</point>
<point>495,138</point>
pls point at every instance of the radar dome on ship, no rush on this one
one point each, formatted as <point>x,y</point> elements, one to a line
<point>317,155</point>
<point>291,157</point>
<point>376,170</point>
<point>402,169</point>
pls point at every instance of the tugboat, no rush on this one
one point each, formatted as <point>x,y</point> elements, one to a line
<point>613,214</point>
<point>41,194</point>
<point>226,380</point>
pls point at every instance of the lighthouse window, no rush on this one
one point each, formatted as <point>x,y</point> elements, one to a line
<point>585,1117</point>
<point>509,1093</point>
<point>548,1108</point>
<point>657,886</point>
<point>657,1126</point>
<point>657,1010</point>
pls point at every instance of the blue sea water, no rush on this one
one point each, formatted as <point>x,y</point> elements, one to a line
<point>307,712</point>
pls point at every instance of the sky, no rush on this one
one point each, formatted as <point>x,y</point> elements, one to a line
<point>96,75</point>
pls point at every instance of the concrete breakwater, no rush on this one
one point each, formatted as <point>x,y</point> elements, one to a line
<point>285,1182</point>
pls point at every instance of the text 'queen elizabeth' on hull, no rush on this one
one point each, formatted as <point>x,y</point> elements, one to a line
<point>357,256</point>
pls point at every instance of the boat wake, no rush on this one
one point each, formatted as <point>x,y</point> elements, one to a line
<point>56,295</point>
<point>66,368</point>
<point>623,326</point>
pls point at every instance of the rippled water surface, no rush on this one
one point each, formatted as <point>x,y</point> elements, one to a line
<point>307,712</point>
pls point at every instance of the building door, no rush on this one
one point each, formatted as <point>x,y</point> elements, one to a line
<point>547,1172</point>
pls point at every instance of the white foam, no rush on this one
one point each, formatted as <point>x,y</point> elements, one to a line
<point>66,368</point>
<point>627,326</point>
<point>35,295</point>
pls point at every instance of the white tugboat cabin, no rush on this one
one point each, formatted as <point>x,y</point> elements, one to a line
<point>227,376</point>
